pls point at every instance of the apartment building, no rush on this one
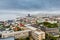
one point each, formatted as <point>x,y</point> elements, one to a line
<point>29,31</point>
<point>36,34</point>
<point>17,34</point>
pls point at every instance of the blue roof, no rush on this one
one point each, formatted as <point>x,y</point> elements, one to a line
<point>9,38</point>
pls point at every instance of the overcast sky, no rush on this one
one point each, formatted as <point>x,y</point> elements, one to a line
<point>17,7</point>
<point>30,4</point>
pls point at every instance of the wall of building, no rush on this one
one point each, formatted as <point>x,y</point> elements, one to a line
<point>37,36</point>
<point>17,34</point>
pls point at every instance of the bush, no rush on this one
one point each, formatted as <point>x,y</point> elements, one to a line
<point>49,37</point>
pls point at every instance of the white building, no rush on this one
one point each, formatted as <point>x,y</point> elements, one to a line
<point>35,33</point>
<point>17,34</point>
<point>32,32</point>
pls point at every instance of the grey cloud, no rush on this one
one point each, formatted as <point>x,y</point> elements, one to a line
<point>30,4</point>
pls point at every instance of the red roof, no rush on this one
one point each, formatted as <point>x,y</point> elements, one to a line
<point>21,24</point>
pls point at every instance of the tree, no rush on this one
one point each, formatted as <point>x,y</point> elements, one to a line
<point>50,25</point>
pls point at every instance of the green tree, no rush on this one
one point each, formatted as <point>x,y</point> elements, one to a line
<point>50,25</point>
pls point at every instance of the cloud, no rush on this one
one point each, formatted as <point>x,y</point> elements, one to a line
<point>12,14</point>
<point>30,4</point>
<point>10,9</point>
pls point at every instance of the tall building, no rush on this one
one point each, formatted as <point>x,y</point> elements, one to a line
<point>29,15</point>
